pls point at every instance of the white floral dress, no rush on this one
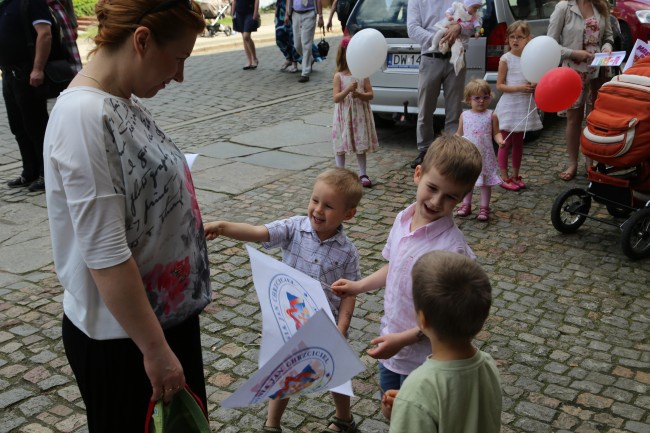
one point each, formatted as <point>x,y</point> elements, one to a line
<point>477,128</point>
<point>353,127</point>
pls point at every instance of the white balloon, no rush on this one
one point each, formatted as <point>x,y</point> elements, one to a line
<point>540,55</point>
<point>366,53</point>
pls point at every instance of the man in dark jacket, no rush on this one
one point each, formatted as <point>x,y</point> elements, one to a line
<point>22,82</point>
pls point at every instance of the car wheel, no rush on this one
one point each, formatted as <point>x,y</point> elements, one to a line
<point>626,37</point>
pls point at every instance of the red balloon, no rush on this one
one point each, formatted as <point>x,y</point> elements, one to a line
<point>558,89</point>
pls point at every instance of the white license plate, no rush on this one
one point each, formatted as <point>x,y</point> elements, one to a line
<point>403,61</point>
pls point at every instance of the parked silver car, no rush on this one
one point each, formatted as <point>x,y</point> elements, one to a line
<point>396,84</point>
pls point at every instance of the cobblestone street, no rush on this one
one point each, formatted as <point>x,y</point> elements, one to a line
<point>571,313</point>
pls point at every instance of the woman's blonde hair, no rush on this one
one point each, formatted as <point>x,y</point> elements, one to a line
<point>118,19</point>
<point>475,87</point>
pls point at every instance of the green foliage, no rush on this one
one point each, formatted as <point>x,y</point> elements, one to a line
<point>84,8</point>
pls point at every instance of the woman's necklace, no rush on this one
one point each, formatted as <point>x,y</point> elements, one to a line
<point>95,80</point>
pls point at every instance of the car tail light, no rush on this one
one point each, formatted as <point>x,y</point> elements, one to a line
<point>497,43</point>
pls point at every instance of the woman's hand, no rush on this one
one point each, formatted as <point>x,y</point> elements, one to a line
<point>329,24</point>
<point>582,56</point>
<point>165,373</point>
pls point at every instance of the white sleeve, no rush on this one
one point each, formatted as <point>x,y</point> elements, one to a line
<point>77,137</point>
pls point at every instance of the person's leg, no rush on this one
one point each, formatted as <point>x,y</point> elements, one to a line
<point>111,379</point>
<point>361,161</point>
<point>27,115</point>
<point>340,160</point>
<point>503,153</point>
<point>389,379</point>
<point>246,37</point>
<point>484,210</point>
<point>296,20</point>
<point>429,83</point>
<point>307,29</point>
<point>517,153</point>
<point>453,86</point>
<point>466,206</point>
<point>574,118</point>
<point>343,413</point>
<point>275,411</point>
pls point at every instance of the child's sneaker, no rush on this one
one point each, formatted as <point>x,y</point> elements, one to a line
<point>509,184</point>
<point>517,181</point>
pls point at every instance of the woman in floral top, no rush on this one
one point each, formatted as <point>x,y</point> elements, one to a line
<point>582,28</point>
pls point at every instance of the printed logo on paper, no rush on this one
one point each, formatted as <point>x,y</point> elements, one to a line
<point>311,367</point>
<point>291,304</point>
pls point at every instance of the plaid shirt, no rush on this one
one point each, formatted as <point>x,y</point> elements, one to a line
<point>68,32</point>
<point>325,261</point>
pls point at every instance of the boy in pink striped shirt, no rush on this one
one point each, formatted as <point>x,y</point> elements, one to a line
<point>448,172</point>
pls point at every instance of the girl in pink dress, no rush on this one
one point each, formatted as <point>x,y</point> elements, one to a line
<point>479,125</point>
<point>353,127</point>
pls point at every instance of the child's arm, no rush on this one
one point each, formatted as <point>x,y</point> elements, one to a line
<point>339,95</point>
<point>388,345</point>
<point>346,310</point>
<point>387,402</point>
<point>495,127</point>
<point>346,288</point>
<point>460,126</point>
<point>504,88</point>
<point>240,231</point>
<point>368,94</point>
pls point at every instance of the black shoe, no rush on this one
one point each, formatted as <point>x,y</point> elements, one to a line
<point>303,78</point>
<point>38,185</point>
<point>417,161</point>
<point>19,182</point>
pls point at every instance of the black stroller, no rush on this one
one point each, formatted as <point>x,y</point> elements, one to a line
<point>213,11</point>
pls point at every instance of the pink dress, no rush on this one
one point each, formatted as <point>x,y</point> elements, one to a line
<point>477,128</point>
<point>353,127</point>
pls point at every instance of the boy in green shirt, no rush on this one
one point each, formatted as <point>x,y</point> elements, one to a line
<point>457,389</point>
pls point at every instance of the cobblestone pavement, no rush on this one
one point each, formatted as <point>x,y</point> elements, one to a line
<point>571,314</point>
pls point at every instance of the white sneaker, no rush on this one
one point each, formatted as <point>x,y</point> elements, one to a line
<point>293,69</point>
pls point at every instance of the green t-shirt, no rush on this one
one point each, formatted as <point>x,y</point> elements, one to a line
<point>451,397</point>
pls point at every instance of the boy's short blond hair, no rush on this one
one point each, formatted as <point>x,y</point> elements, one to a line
<point>475,87</point>
<point>453,293</point>
<point>454,157</point>
<point>346,182</point>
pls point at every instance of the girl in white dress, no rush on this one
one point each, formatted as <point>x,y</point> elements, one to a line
<point>353,127</point>
<point>515,103</point>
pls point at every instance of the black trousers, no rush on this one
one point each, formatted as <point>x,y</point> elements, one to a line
<point>112,380</point>
<point>27,113</point>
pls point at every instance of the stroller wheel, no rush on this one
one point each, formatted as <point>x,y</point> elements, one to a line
<point>570,210</point>
<point>618,211</point>
<point>227,30</point>
<point>635,239</point>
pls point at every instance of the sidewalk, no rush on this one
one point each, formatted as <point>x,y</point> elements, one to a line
<point>264,36</point>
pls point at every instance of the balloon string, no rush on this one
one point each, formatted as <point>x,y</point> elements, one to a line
<point>511,132</point>
<point>530,101</point>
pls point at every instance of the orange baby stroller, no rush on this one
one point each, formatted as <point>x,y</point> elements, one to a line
<point>617,138</point>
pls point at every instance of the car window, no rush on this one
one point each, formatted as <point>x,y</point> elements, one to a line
<point>532,9</point>
<point>387,16</point>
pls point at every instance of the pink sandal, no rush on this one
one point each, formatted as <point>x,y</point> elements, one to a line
<point>464,210</point>
<point>483,214</point>
<point>365,181</point>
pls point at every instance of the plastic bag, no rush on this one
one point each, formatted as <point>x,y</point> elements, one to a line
<point>184,414</point>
